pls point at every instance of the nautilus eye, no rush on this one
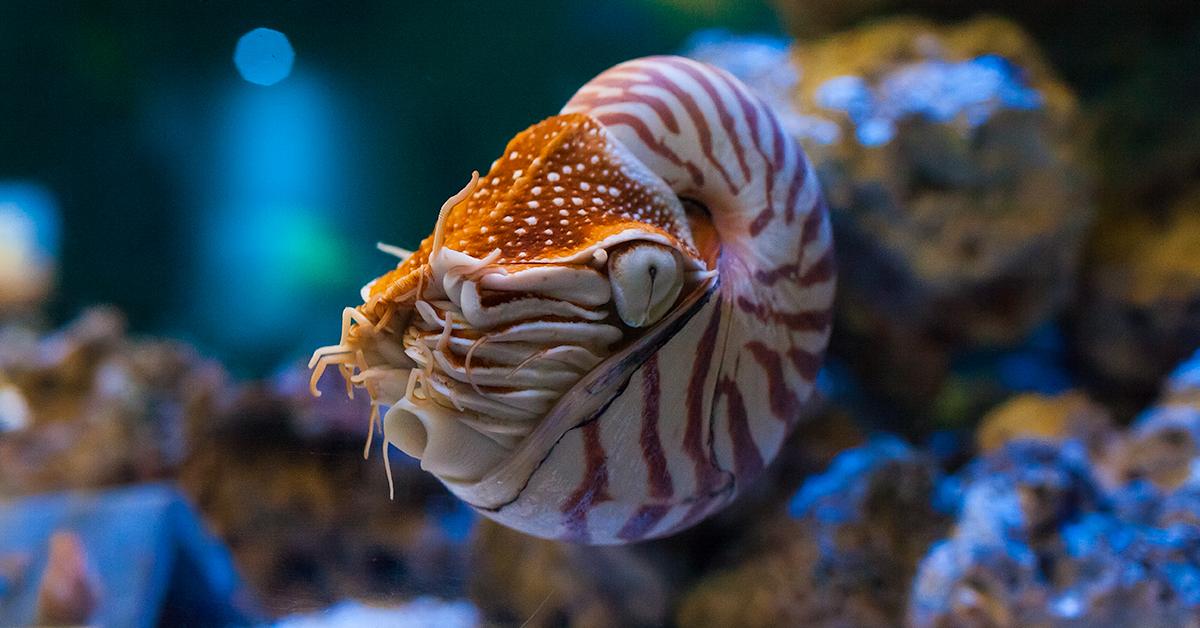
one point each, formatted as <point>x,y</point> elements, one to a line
<point>578,353</point>
<point>646,279</point>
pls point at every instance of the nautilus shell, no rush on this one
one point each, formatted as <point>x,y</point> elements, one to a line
<point>613,331</point>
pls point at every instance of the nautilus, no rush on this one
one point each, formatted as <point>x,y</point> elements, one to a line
<point>612,332</point>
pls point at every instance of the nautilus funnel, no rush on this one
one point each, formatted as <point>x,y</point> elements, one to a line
<point>610,333</point>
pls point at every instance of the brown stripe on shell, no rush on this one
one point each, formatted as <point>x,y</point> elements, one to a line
<point>643,521</point>
<point>658,476</point>
<point>817,320</point>
<point>626,95</point>
<point>782,401</point>
<point>711,481</point>
<point>806,363</point>
<point>644,134</point>
<point>723,114</point>
<point>821,270</point>
<point>747,460</point>
<point>698,121</point>
<point>592,489</point>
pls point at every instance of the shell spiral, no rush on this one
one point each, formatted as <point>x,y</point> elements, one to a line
<point>666,430</point>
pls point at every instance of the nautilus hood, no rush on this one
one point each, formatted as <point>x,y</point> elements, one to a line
<point>563,189</point>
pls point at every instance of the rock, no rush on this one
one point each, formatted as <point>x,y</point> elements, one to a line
<point>1162,446</point>
<point>420,613</point>
<point>1052,532</point>
<point>959,160</point>
<point>278,474</point>
<point>88,406</point>
<point>1139,310</point>
<point>130,556</point>
<point>844,556</point>
<point>521,580</point>
<point>308,520</point>
<point>1036,544</point>
<point>1183,386</point>
<point>806,19</point>
<point>1070,415</point>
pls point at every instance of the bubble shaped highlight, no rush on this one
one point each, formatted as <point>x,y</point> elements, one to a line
<point>264,56</point>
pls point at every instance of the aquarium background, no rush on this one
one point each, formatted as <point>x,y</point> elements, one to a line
<point>212,208</point>
<point>1007,428</point>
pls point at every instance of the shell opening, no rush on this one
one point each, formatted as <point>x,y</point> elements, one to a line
<point>410,434</point>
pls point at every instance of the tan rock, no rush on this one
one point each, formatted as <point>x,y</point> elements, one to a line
<point>1041,417</point>
<point>1139,313</point>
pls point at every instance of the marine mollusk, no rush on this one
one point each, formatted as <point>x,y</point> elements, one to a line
<point>612,332</point>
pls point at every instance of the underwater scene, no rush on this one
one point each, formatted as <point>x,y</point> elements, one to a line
<point>682,313</point>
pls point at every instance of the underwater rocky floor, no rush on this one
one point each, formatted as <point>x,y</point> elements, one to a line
<point>1007,434</point>
<point>1061,516</point>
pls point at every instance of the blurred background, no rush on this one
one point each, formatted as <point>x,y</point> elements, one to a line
<point>1008,424</point>
<point>208,206</point>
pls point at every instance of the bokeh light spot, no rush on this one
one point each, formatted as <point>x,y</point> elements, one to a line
<point>264,56</point>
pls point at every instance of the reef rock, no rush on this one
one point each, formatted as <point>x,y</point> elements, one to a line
<point>282,480</point>
<point>1045,417</point>
<point>1074,524</point>
<point>1038,543</point>
<point>1162,446</point>
<point>957,186</point>
<point>88,406</point>
<point>521,580</point>
<point>843,556</point>
<point>277,474</point>
<point>1139,311</point>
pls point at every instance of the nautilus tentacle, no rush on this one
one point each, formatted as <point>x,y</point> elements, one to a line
<point>613,331</point>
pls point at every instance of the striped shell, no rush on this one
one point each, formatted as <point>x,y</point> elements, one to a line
<point>613,331</point>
